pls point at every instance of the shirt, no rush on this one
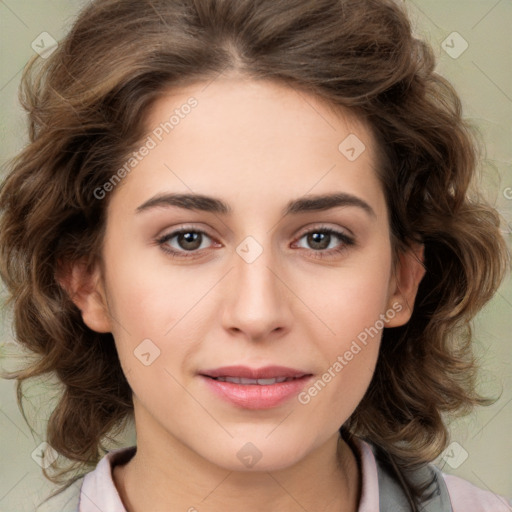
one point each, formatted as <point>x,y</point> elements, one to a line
<point>97,491</point>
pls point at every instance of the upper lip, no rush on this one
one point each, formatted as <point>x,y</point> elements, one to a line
<point>267,372</point>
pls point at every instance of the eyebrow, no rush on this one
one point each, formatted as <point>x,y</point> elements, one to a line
<point>310,203</point>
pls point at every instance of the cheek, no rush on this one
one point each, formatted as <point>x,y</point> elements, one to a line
<point>351,306</point>
<point>148,300</point>
<point>350,300</point>
<point>157,326</point>
<point>349,354</point>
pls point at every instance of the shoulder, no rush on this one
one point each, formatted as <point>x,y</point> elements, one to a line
<point>381,491</point>
<point>99,491</point>
<point>466,497</point>
<point>93,491</point>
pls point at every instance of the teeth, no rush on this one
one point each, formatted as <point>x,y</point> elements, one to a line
<point>261,382</point>
<point>242,380</point>
<point>267,382</point>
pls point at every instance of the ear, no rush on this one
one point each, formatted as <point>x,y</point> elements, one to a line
<point>408,273</point>
<point>85,288</point>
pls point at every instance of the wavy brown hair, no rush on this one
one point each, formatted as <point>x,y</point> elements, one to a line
<point>86,105</point>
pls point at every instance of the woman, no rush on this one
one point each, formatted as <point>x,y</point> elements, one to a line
<point>246,225</point>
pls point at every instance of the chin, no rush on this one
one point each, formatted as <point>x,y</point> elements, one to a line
<point>260,454</point>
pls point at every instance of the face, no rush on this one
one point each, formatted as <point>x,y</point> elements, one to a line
<point>189,287</point>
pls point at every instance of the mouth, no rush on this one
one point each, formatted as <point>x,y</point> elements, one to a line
<point>248,375</point>
<point>255,388</point>
<point>260,382</point>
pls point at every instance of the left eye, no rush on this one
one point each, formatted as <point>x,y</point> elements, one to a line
<point>320,239</point>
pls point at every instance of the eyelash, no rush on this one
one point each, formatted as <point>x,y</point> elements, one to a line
<point>346,240</point>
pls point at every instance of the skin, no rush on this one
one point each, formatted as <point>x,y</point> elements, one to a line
<point>255,145</point>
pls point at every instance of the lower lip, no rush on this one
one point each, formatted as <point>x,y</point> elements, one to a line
<point>254,396</point>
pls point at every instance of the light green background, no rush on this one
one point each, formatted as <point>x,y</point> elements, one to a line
<point>483,77</point>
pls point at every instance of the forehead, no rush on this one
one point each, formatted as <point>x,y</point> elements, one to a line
<point>259,112</point>
<point>244,139</point>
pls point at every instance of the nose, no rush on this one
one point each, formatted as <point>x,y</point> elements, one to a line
<point>257,298</point>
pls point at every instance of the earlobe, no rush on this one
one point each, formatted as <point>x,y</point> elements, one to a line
<point>408,275</point>
<point>86,290</point>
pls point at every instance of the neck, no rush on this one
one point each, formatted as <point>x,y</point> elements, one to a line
<point>169,476</point>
